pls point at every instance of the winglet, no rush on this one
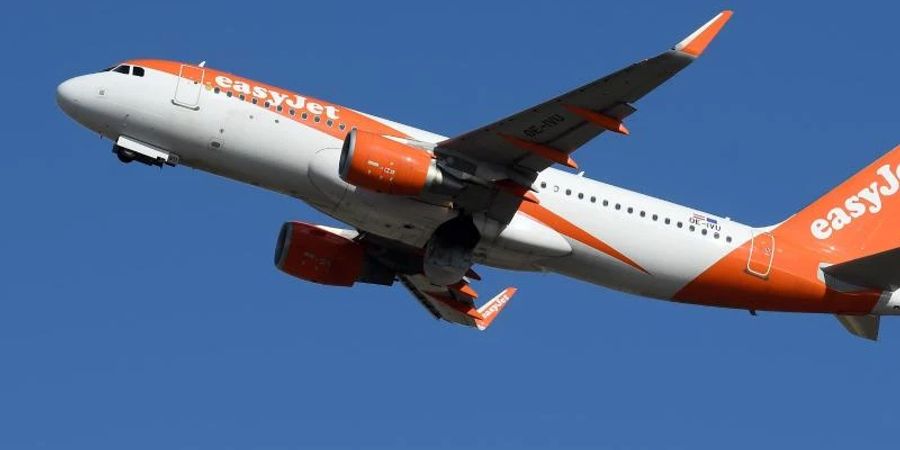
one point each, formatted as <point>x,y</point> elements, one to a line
<point>490,310</point>
<point>696,43</point>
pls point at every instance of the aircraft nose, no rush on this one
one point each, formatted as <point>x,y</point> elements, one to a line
<point>69,94</point>
<point>65,96</point>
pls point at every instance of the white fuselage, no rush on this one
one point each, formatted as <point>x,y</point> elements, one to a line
<point>256,145</point>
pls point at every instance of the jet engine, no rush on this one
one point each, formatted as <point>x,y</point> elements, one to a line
<point>324,256</point>
<point>375,162</point>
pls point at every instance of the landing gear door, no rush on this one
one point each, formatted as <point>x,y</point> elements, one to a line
<point>762,253</point>
<point>188,86</point>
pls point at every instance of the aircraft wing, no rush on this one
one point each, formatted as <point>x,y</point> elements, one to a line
<point>533,139</point>
<point>456,303</point>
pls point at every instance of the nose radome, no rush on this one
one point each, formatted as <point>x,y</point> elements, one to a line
<point>67,95</point>
<point>73,94</point>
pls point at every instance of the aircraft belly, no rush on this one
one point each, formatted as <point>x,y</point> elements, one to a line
<point>520,244</point>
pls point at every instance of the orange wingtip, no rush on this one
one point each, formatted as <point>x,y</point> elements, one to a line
<point>492,309</point>
<point>696,43</point>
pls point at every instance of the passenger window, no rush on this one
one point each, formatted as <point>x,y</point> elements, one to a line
<point>679,224</point>
<point>568,192</point>
<point>543,184</point>
<point>668,221</point>
<point>580,195</point>
<point>605,202</point>
<point>137,71</point>
<point>703,231</point>
<point>618,206</point>
<point>655,217</point>
<point>122,69</point>
<point>593,199</point>
<point>728,239</point>
<point>630,210</point>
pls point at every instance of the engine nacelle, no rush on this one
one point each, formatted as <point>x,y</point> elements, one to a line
<point>448,254</point>
<point>316,254</point>
<point>377,163</point>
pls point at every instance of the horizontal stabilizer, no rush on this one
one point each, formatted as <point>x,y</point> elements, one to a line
<point>862,326</point>
<point>878,271</point>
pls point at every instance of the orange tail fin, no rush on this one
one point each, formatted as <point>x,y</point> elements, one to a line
<point>859,217</point>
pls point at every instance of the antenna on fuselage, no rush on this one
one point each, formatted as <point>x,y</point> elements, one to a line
<point>202,64</point>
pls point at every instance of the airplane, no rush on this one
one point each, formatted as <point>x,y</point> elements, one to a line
<point>424,209</point>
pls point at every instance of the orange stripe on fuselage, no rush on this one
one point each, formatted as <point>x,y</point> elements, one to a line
<point>571,230</point>
<point>792,285</point>
<point>351,119</point>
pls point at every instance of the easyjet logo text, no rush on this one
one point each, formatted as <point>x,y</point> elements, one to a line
<point>496,305</point>
<point>869,200</point>
<point>276,98</point>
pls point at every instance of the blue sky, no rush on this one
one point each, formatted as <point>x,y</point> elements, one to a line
<point>140,309</point>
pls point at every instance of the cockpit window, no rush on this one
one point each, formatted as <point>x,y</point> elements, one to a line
<point>122,69</point>
<point>137,71</point>
<point>108,69</point>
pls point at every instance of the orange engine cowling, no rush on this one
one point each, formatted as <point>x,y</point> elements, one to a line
<point>322,256</point>
<point>377,163</point>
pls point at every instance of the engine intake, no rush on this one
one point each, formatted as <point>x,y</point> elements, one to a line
<point>375,162</point>
<point>316,254</point>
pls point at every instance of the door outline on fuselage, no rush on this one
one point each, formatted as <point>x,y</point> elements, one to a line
<point>188,86</point>
<point>762,254</point>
